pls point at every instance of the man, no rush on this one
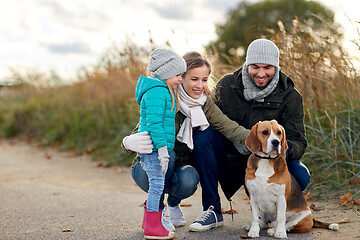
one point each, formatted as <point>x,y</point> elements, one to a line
<point>256,92</point>
<point>261,91</point>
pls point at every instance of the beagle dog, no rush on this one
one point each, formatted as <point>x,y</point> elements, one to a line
<point>275,196</point>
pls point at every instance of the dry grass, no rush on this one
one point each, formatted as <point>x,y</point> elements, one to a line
<point>94,113</point>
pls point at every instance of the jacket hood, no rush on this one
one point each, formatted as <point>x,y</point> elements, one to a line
<point>285,85</point>
<point>146,83</point>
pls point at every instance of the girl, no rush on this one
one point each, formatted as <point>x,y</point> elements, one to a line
<point>155,95</point>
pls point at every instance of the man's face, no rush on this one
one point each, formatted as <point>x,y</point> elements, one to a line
<point>261,74</point>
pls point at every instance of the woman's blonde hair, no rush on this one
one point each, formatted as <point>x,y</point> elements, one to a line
<point>194,59</point>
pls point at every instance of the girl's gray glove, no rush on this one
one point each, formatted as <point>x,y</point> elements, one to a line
<point>138,142</point>
<point>163,158</point>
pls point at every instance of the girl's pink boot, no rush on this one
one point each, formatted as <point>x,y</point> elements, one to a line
<point>144,222</point>
<point>153,226</point>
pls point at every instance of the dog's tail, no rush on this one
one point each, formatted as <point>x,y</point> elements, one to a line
<point>331,226</point>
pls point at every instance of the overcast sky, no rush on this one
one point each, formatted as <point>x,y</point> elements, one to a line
<point>63,35</point>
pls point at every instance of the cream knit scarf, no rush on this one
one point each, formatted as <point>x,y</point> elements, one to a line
<point>195,116</point>
<point>252,92</point>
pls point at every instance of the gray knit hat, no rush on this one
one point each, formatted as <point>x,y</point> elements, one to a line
<point>262,51</point>
<point>166,64</point>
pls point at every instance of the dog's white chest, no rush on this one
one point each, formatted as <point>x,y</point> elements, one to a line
<point>265,170</point>
<point>264,193</point>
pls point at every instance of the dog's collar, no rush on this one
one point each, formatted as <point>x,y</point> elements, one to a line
<point>266,157</point>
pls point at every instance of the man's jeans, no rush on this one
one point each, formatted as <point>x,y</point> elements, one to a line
<point>180,182</point>
<point>300,172</point>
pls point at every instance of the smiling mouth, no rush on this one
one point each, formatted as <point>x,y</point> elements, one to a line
<point>261,79</point>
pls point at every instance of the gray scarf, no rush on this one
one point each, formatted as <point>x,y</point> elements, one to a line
<point>252,92</point>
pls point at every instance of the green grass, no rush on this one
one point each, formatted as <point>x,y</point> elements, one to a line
<point>333,153</point>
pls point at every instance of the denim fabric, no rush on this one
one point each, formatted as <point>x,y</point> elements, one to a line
<point>208,151</point>
<point>152,167</point>
<point>180,182</point>
<point>300,172</point>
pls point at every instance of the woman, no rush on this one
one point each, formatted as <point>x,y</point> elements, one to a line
<point>197,125</point>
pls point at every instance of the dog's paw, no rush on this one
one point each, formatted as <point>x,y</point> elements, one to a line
<point>273,224</point>
<point>271,232</point>
<point>254,232</point>
<point>280,234</point>
<point>246,227</point>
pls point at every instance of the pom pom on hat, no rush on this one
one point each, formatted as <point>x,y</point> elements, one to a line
<point>166,64</point>
<point>262,51</point>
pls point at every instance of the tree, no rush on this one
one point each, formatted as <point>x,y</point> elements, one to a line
<point>253,20</point>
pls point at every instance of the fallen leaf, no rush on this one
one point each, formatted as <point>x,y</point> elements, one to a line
<point>314,208</point>
<point>244,236</point>
<point>185,205</point>
<point>229,211</point>
<point>345,199</point>
<point>307,196</point>
<point>55,144</point>
<point>246,198</point>
<point>345,220</point>
<point>28,139</point>
<point>356,201</point>
<point>355,181</point>
<point>68,230</point>
<point>100,164</point>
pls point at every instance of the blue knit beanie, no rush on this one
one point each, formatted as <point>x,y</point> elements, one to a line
<point>166,64</point>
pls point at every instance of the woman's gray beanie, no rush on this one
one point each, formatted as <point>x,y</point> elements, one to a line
<point>166,64</point>
<point>262,51</point>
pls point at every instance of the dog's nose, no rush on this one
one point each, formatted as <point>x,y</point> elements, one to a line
<point>275,142</point>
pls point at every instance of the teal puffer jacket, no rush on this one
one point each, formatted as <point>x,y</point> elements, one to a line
<point>156,116</point>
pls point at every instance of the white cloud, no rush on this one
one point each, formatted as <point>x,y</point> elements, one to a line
<point>64,35</point>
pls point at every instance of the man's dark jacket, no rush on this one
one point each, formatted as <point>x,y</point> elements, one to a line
<point>284,105</point>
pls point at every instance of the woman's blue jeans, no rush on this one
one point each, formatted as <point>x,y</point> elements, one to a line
<point>180,182</point>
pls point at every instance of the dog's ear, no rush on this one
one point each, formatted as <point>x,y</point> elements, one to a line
<point>284,145</point>
<point>252,142</point>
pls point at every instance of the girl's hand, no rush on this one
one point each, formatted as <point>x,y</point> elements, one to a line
<point>163,158</point>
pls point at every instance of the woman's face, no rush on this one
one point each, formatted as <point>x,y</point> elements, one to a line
<point>195,81</point>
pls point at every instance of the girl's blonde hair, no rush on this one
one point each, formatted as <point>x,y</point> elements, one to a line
<point>194,60</point>
<point>174,97</point>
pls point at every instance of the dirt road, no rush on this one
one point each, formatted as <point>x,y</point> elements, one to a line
<point>46,194</point>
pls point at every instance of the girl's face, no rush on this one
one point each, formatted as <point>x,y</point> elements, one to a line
<point>174,81</point>
<point>195,81</point>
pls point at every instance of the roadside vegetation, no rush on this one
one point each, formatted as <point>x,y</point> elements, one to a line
<point>91,113</point>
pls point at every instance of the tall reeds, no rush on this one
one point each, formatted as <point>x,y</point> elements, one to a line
<point>94,112</point>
